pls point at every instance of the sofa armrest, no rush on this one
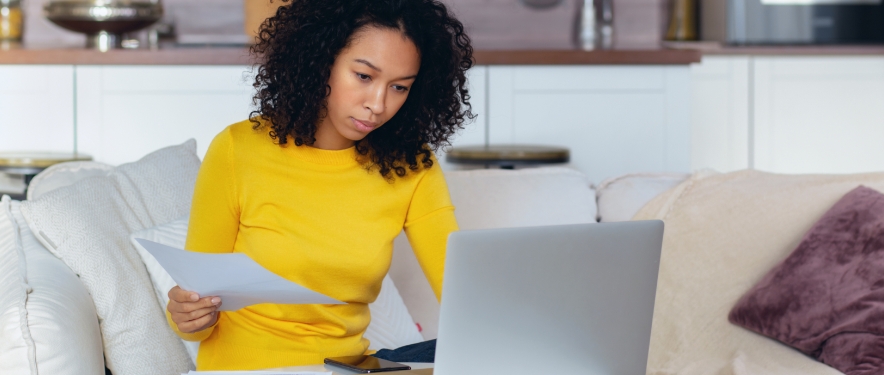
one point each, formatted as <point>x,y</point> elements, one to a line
<point>49,321</point>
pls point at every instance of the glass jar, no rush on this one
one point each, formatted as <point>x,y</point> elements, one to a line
<point>10,20</point>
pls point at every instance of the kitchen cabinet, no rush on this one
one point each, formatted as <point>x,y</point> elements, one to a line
<point>819,114</point>
<point>125,112</point>
<point>36,108</point>
<point>720,116</point>
<point>614,119</point>
<point>789,114</point>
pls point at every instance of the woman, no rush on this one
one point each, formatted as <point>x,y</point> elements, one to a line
<point>353,96</point>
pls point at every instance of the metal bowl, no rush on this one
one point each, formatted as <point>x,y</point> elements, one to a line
<point>103,21</point>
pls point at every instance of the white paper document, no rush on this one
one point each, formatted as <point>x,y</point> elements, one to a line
<point>256,373</point>
<point>234,277</point>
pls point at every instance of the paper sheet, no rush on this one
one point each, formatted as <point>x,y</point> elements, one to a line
<point>256,373</point>
<point>234,277</point>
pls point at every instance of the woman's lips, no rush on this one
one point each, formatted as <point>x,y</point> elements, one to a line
<point>363,125</point>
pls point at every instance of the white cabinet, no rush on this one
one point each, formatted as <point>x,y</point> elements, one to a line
<point>789,114</point>
<point>720,114</point>
<point>125,112</point>
<point>819,114</point>
<point>614,119</point>
<point>36,108</point>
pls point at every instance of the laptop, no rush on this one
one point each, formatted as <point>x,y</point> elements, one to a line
<point>568,299</point>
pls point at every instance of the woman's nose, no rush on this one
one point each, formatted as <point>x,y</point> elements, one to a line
<point>375,100</point>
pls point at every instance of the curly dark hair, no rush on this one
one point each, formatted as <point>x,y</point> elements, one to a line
<point>298,46</point>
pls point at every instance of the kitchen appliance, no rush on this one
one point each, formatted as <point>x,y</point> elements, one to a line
<point>594,26</point>
<point>753,22</point>
<point>104,21</point>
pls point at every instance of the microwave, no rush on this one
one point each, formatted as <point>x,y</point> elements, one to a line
<point>761,22</point>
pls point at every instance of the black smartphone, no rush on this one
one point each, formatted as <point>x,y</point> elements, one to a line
<point>365,364</point>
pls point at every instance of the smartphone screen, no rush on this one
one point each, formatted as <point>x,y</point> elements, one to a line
<point>366,364</point>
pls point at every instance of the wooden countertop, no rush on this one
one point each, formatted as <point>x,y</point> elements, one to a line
<point>682,53</point>
<point>600,57</point>
<point>240,56</point>
<point>798,50</point>
<point>716,49</point>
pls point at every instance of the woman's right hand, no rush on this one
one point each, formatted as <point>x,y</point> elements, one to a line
<point>190,312</point>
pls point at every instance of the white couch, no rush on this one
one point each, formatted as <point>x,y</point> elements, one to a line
<point>48,322</point>
<point>723,233</point>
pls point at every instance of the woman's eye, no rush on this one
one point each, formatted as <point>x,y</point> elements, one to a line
<point>364,77</point>
<point>400,88</point>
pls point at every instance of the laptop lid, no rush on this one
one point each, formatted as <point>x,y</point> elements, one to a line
<point>574,299</point>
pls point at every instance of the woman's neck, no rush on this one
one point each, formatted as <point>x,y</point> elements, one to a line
<point>327,138</point>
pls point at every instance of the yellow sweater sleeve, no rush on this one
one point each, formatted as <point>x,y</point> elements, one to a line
<point>429,221</point>
<point>214,213</point>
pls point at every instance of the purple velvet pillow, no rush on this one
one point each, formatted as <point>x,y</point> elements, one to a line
<point>827,298</point>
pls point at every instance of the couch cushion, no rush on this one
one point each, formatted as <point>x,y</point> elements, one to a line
<point>825,299</point>
<point>621,197</point>
<point>170,234</point>
<point>17,350</point>
<point>723,234</point>
<point>65,174</point>
<point>499,198</point>
<point>87,225</point>
<point>495,198</point>
<point>391,325</point>
<point>53,327</point>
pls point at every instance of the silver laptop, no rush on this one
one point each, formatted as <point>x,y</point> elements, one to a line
<point>570,299</point>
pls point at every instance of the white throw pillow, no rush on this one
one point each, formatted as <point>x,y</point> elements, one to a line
<point>65,174</point>
<point>621,197</point>
<point>48,323</point>
<point>391,325</point>
<point>494,198</point>
<point>171,234</point>
<point>87,225</point>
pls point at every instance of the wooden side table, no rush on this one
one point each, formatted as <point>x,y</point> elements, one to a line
<point>508,156</point>
<point>26,165</point>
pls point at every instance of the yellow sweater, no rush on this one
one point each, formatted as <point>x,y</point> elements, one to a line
<point>315,217</point>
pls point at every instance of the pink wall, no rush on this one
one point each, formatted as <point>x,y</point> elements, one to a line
<point>505,24</point>
<point>493,24</point>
